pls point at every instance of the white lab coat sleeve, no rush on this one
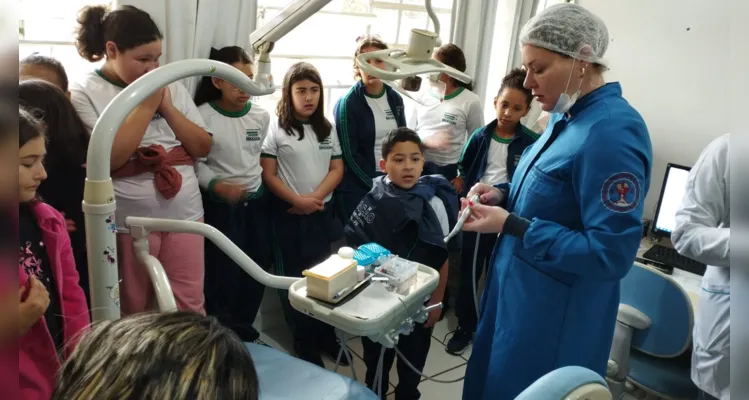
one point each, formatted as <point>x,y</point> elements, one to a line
<point>698,233</point>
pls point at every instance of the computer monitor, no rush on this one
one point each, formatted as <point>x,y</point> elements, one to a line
<point>672,192</point>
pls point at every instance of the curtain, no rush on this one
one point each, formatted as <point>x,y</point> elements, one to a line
<point>192,27</point>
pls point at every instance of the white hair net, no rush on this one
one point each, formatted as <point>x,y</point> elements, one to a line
<point>568,29</point>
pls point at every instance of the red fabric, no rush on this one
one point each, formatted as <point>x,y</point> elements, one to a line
<point>38,362</point>
<point>157,160</point>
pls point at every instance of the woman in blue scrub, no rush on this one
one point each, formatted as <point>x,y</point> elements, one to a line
<point>570,220</point>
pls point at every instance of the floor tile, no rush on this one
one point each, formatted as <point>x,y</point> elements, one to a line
<point>444,391</point>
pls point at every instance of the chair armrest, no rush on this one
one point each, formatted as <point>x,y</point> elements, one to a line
<point>633,317</point>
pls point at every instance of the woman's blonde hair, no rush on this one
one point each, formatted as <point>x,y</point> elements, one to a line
<point>177,355</point>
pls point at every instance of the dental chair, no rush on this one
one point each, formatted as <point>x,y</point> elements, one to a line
<point>284,377</point>
<point>568,383</point>
<point>649,356</point>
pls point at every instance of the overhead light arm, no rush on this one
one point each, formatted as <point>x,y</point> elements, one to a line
<point>416,60</point>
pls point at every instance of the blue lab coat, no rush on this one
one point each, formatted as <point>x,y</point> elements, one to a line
<point>552,296</point>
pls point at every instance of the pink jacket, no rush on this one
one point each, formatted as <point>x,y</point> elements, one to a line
<point>38,362</point>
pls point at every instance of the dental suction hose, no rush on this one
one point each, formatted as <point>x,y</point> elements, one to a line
<point>462,220</point>
<point>458,227</point>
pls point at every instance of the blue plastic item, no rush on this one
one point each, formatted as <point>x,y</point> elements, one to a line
<point>363,258</point>
<point>375,250</point>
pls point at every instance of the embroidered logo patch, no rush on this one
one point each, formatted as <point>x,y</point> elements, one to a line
<point>450,118</point>
<point>326,144</point>
<point>621,192</point>
<point>252,135</point>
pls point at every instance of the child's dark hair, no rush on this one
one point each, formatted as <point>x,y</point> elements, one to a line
<point>361,44</point>
<point>285,108</point>
<point>66,133</point>
<point>515,80</point>
<point>128,27</point>
<point>451,55</point>
<point>52,63</point>
<point>29,128</point>
<point>400,135</point>
<point>231,54</point>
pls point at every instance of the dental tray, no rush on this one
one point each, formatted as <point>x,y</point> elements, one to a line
<point>371,310</point>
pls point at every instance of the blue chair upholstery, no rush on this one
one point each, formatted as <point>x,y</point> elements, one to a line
<point>655,360</point>
<point>561,383</point>
<point>283,377</point>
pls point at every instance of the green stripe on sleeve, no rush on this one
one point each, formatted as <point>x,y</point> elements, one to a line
<point>348,155</point>
<point>529,132</point>
<point>266,155</point>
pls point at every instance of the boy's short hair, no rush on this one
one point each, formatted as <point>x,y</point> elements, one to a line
<point>399,135</point>
<point>52,63</point>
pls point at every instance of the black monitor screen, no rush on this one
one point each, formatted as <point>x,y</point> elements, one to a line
<point>672,192</point>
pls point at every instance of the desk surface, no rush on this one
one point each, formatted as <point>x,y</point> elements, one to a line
<point>691,283</point>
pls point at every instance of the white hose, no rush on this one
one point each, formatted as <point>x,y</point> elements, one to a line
<point>475,283</point>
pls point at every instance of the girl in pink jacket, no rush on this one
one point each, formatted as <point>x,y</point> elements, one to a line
<point>52,309</point>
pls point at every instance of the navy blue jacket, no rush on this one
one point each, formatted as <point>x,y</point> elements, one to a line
<point>403,221</point>
<point>473,161</point>
<point>355,124</point>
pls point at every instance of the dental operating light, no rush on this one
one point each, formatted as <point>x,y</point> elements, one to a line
<point>415,60</point>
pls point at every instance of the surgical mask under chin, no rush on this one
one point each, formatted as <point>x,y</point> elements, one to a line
<point>565,101</point>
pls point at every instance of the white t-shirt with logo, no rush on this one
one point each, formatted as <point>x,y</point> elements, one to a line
<point>137,195</point>
<point>384,120</point>
<point>302,164</point>
<point>496,162</point>
<point>459,114</point>
<point>237,142</point>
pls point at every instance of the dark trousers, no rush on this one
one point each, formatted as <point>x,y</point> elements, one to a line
<point>465,308</point>
<point>415,347</point>
<point>450,171</point>
<point>301,242</point>
<point>705,396</point>
<point>231,294</point>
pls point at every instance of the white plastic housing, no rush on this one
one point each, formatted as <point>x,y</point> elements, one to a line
<point>98,198</point>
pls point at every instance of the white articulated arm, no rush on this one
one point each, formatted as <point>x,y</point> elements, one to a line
<point>98,198</point>
<point>264,39</point>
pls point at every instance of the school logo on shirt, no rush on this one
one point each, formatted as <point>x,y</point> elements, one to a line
<point>326,144</point>
<point>363,214</point>
<point>451,119</point>
<point>157,116</point>
<point>252,135</point>
<point>389,114</point>
<point>621,193</point>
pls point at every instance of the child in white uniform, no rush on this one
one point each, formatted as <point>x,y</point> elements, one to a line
<point>363,117</point>
<point>233,194</point>
<point>444,127</point>
<point>152,155</point>
<point>302,166</point>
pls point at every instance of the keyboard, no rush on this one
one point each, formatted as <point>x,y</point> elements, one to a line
<point>670,257</point>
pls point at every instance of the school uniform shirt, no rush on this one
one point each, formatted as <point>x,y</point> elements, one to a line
<point>237,142</point>
<point>459,114</point>
<point>137,195</point>
<point>496,165</point>
<point>384,122</point>
<point>302,164</point>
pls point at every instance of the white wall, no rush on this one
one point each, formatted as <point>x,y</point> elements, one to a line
<point>671,57</point>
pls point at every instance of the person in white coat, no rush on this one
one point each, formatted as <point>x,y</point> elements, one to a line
<point>703,233</point>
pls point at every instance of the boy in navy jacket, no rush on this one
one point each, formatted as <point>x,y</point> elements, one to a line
<point>409,215</point>
<point>490,157</point>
